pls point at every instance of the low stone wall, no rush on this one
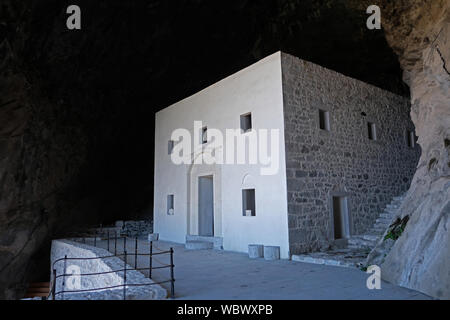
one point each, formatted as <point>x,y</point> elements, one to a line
<point>136,228</point>
<point>72,249</point>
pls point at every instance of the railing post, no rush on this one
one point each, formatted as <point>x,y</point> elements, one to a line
<point>135,253</point>
<point>125,276</point>
<point>150,264</point>
<point>108,239</point>
<point>125,243</point>
<point>172,279</point>
<point>64,277</point>
<point>115,243</point>
<point>95,238</point>
<point>54,284</point>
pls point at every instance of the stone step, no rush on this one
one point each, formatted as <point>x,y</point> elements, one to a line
<point>342,258</point>
<point>216,241</point>
<point>390,210</point>
<point>378,232</point>
<point>383,220</point>
<point>38,289</point>
<point>386,215</point>
<point>379,228</point>
<point>360,240</point>
<point>359,243</point>
<point>375,235</point>
<point>198,245</point>
<point>359,246</point>
<point>382,224</point>
<point>366,236</point>
<point>328,262</point>
<point>392,206</point>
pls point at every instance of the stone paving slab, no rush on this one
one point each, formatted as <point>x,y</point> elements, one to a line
<point>217,274</point>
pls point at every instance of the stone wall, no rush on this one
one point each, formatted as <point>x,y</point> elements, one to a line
<point>61,248</point>
<point>343,161</point>
<point>139,228</point>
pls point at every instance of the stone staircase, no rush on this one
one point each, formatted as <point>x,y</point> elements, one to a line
<point>371,237</point>
<point>358,246</point>
<point>39,290</point>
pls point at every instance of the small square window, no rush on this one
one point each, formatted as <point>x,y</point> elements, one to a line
<point>170,210</point>
<point>204,137</point>
<point>324,120</point>
<point>372,131</point>
<point>248,203</point>
<point>410,138</point>
<point>170,146</point>
<point>246,122</point>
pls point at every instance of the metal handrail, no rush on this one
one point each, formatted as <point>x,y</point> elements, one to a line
<point>112,256</point>
<point>53,292</point>
<point>113,287</point>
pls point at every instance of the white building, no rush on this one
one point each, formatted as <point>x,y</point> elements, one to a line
<point>235,205</point>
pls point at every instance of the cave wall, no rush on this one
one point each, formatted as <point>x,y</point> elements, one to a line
<point>419,32</point>
<point>77,108</point>
<point>31,167</point>
<point>73,153</point>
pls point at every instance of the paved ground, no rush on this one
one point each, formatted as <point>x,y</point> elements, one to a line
<point>211,274</point>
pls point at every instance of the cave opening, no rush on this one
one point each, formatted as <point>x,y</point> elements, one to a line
<point>81,105</point>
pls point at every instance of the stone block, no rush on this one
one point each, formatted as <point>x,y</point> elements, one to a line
<point>153,236</point>
<point>271,252</point>
<point>119,224</point>
<point>255,251</point>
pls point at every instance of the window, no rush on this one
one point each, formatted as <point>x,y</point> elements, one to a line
<point>248,203</point>
<point>324,120</point>
<point>170,210</point>
<point>246,122</point>
<point>372,131</point>
<point>204,137</point>
<point>170,146</point>
<point>410,138</point>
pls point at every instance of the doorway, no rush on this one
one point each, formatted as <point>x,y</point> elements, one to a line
<point>206,206</point>
<point>341,218</point>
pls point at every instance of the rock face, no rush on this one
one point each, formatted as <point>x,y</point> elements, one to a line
<point>35,165</point>
<point>419,32</point>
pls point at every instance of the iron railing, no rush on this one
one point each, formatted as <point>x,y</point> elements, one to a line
<point>151,253</point>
